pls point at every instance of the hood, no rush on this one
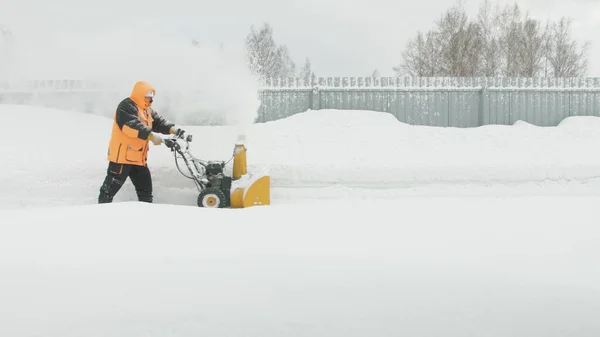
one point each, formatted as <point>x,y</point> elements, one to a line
<point>140,89</point>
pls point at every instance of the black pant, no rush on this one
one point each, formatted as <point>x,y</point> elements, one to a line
<point>117,174</point>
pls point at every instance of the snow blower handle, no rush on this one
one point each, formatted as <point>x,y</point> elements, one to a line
<point>180,133</point>
<point>170,142</point>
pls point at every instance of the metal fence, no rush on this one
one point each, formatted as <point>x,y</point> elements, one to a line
<point>453,102</point>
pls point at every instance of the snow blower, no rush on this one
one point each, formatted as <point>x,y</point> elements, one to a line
<point>217,190</point>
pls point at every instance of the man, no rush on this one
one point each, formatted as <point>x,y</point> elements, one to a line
<point>135,125</point>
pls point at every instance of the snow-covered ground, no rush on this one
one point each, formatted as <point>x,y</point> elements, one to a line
<point>345,249</point>
<point>450,267</point>
<point>55,157</point>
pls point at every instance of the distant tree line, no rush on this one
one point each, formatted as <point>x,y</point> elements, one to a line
<point>499,41</point>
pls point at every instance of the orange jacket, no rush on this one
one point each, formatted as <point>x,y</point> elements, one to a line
<point>133,122</point>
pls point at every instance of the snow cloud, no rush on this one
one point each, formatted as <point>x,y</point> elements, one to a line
<point>196,84</point>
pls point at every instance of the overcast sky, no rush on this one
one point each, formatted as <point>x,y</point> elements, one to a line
<point>341,37</point>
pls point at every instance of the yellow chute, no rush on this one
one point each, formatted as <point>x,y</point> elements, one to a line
<point>251,190</point>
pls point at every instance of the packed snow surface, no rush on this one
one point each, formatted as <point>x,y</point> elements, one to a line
<point>345,249</point>
<point>519,267</point>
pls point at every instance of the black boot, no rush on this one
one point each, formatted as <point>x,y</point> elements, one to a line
<point>109,189</point>
<point>145,196</point>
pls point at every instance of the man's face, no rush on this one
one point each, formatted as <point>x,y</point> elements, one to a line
<point>149,98</point>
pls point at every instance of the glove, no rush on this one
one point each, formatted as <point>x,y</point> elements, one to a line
<point>155,138</point>
<point>177,131</point>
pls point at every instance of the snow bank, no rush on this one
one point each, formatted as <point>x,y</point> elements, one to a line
<point>55,157</point>
<point>524,124</point>
<point>579,123</point>
<point>374,149</point>
<point>287,270</point>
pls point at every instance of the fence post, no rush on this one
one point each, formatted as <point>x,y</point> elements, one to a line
<point>315,95</point>
<point>484,108</point>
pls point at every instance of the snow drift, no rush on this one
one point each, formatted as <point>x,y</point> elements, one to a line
<point>58,157</point>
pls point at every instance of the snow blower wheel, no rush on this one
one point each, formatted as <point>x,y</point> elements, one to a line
<point>212,197</point>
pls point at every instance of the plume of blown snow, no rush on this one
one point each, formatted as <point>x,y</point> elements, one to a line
<point>196,84</point>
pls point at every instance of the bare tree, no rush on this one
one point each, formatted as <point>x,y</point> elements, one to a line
<point>564,56</point>
<point>509,20</point>
<point>459,42</point>
<point>470,52</point>
<point>420,57</point>
<point>521,43</point>
<point>264,57</point>
<point>306,73</point>
<point>489,34</point>
<point>306,70</point>
<point>532,48</point>
<point>452,48</point>
<point>285,66</point>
